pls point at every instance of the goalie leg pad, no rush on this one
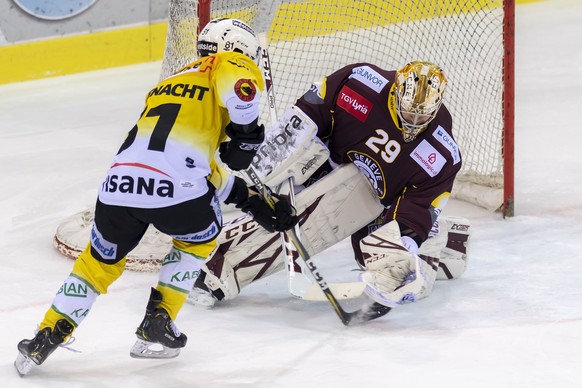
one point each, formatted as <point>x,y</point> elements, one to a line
<point>330,210</point>
<point>393,275</point>
<point>246,252</point>
<point>335,207</point>
<point>454,256</point>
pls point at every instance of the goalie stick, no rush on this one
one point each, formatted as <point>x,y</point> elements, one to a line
<point>299,284</point>
<point>370,310</point>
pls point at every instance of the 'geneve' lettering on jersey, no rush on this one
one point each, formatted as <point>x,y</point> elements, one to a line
<point>371,170</point>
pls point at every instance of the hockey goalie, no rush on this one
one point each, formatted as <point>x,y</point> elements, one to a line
<point>372,157</point>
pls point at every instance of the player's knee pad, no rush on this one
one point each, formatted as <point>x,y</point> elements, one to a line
<point>180,270</point>
<point>75,299</point>
<point>177,276</point>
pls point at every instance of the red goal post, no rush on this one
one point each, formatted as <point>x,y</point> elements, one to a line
<point>472,40</point>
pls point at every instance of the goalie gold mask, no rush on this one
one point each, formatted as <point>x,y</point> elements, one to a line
<point>419,90</point>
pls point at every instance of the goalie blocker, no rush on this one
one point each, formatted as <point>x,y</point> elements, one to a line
<point>290,149</point>
<point>330,210</point>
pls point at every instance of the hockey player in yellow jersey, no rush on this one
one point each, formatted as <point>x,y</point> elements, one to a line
<point>165,174</point>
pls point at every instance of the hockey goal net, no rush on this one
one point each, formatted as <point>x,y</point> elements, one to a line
<point>472,40</point>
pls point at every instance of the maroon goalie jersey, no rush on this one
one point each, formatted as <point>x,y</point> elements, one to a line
<point>354,109</point>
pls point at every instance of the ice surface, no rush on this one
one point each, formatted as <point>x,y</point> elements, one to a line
<point>513,320</point>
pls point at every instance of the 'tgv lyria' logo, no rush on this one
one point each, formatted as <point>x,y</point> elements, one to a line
<point>54,9</point>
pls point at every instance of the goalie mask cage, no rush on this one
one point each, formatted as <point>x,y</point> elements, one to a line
<point>472,40</point>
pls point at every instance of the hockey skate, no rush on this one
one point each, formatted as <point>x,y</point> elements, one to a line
<point>35,351</point>
<point>157,335</point>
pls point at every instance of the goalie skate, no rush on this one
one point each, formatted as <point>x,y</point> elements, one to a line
<point>200,295</point>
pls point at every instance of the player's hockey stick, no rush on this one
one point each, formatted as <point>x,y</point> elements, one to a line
<point>370,310</point>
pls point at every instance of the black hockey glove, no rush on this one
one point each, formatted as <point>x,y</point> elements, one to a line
<point>280,219</point>
<point>238,153</point>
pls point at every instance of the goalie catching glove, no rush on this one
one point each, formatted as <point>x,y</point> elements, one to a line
<point>280,218</point>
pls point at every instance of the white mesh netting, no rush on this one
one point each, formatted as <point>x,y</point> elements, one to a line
<point>309,39</point>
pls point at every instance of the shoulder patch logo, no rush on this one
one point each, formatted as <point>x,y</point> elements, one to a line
<point>448,142</point>
<point>354,103</point>
<point>369,77</point>
<point>245,89</point>
<point>428,158</point>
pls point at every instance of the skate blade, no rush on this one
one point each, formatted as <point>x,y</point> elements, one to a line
<point>145,349</point>
<point>23,364</point>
